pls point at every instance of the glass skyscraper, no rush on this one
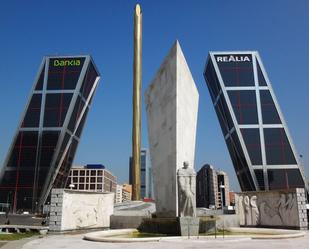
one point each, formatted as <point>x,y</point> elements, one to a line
<point>43,149</point>
<point>146,175</point>
<point>253,126</point>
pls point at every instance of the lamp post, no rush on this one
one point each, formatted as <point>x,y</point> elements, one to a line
<point>221,191</point>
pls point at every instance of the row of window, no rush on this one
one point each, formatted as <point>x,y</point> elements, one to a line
<point>85,179</point>
<point>82,172</point>
<point>280,178</point>
<point>277,147</point>
<point>245,107</point>
<point>24,152</point>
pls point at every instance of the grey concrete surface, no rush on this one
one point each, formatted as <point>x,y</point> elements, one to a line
<point>16,244</point>
<point>2,243</point>
<point>76,242</point>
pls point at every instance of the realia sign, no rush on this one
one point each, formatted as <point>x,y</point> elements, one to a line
<point>232,58</point>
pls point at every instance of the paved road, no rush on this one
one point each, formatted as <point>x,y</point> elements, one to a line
<point>76,242</point>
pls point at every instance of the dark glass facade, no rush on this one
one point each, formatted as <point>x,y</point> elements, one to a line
<point>145,173</point>
<point>256,135</point>
<point>44,147</point>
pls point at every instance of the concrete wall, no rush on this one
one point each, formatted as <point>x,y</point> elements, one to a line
<point>227,220</point>
<point>71,209</point>
<point>278,208</point>
<point>171,104</point>
<point>123,221</point>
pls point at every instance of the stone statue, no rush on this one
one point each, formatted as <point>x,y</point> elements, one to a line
<point>241,212</point>
<point>254,211</point>
<point>247,209</point>
<point>186,191</point>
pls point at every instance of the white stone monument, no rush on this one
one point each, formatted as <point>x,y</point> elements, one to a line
<point>74,209</point>
<point>172,106</point>
<point>275,208</point>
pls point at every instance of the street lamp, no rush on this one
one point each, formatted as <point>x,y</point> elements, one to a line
<point>71,186</point>
<point>221,191</point>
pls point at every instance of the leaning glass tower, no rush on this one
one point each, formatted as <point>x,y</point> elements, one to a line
<point>253,126</point>
<point>43,149</point>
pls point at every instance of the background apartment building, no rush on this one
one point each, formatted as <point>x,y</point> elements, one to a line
<point>212,188</point>
<point>92,177</point>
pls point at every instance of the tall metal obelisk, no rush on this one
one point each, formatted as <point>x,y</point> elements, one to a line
<point>137,87</point>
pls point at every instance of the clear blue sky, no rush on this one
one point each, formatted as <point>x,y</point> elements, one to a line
<point>29,30</point>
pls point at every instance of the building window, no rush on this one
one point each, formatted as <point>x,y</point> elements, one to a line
<point>213,82</point>
<point>25,150</point>
<point>244,106</point>
<point>32,116</point>
<point>224,115</point>
<point>253,144</point>
<point>39,84</point>
<point>284,178</point>
<point>269,111</point>
<point>89,81</point>
<point>277,146</point>
<point>56,107</point>
<point>261,78</point>
<point>260,178</point>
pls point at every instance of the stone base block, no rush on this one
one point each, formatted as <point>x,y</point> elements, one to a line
<point>183,226</point>
<point>189,226</point>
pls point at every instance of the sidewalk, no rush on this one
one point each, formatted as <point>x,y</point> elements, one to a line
<point>76,242</point>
